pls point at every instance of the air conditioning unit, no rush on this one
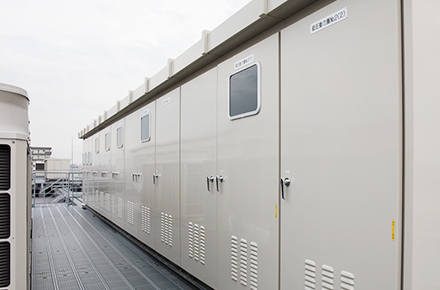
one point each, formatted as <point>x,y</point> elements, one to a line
<point>15,189</point>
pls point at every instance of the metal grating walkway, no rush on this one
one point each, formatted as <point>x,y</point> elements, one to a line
<point>73,249</point>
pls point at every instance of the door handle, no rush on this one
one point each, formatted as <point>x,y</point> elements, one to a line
<point>155,176</point>
<point>217,179</point>
<point>286,182</point>
<point>208,180</point>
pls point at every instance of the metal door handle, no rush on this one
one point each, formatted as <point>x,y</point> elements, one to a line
<point>154,178</point>
<point>208,180</point>
<point>286,182</point>
<point>217,179</point>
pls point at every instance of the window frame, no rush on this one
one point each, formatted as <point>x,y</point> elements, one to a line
<point>257,110</point>
<point>119,135</point>
<point>97,145</point>
<point>149,127</point>
<point>107,141</point>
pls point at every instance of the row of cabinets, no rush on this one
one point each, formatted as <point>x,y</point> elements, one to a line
<point>283,172</point>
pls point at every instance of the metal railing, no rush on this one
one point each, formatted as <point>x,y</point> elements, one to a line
<point>58,185</point>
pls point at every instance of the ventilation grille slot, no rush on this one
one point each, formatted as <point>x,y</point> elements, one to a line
<point>328,277</point>
<point>347,281</point>
<point>254,266</point>
<point>120,208</point>
<point>5,167</point>
<point>166,229</point>
<point>310,272</point>
<point>190,240</point>
<point>5,216</point>
<point>243,262</point>
<point>130,212</point>
<point>234,258</point>
<point>197,242</point>
<point>202,245</point>
<point>5,264</point>
<point>146,222</point>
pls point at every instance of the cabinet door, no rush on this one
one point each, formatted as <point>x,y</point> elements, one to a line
<point>198,170</point>
<point>248,168</point>
<point>341,148</point>
<point>167,176</point>
<point>147,160</point>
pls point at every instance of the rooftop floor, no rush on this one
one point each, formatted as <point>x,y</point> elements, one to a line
<point>73,249</point>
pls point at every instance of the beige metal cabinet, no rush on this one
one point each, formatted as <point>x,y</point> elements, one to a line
<point>139,167</point>
<point>104,173</point>
<point>248,168</point>
<point>117,172</point>
<point>133,177</point>
<point>166,178</point>
<point>96,171</point>
<point>198,172</point>
<point>146,158</point>
<point>341,148</point>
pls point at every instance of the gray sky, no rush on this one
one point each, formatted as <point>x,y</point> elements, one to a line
<point>76,58</point>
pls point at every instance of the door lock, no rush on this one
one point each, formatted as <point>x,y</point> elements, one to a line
<point>286,182</point>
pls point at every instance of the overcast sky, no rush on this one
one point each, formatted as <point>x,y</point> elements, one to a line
<point>77,58</point>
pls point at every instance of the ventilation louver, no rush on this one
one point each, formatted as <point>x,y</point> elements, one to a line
<point>5,215</point>
<point>5,167</point>
<point>5,264</point>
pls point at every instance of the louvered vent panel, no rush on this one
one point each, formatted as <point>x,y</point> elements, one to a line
<point>146,219</point>
<point>197,242</point>
<point>5,167</point>
<point>234,258</point>
<point>327,277</point>
<point>120,208</point>
<point>347,281</point>
<point>166,229</point>
<point>253,266</point>
<point>202,245</point>
<point>5,216</point>
<point>243,262</point>
<point>130,212</point>
<point>310,275</point>
<point>5,264</point>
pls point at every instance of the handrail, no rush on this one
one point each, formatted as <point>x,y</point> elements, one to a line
<point>65,181</point>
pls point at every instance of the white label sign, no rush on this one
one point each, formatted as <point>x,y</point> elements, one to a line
<point>166,101</point>
<point>329,20</point>
<point>245,61</point>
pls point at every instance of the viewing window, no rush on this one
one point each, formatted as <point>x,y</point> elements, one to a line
<point>145,128</point>
<point>244,92</point>
<point>97,145</point>
<point>119,142</point>
<point>107,142</point>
